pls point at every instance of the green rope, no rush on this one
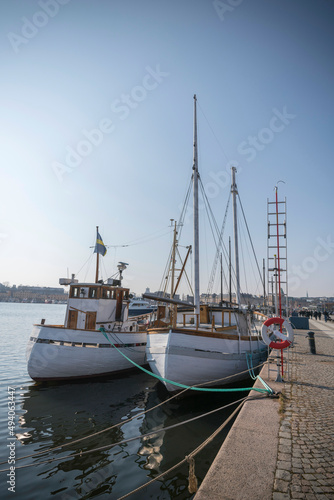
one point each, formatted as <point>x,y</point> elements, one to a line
<point>249,359</point>
<point>250,367</point>
<point>206,389</point>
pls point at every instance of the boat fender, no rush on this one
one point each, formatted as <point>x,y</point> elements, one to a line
<point>268,328</point>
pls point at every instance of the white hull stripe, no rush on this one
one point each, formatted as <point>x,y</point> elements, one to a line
<point>83,344</point>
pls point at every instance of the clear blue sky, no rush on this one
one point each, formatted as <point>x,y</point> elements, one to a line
<point>263,75</point>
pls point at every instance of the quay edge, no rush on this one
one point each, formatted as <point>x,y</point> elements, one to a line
<point>246,463</point>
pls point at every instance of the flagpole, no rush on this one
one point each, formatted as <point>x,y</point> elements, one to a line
<point>97,259</point>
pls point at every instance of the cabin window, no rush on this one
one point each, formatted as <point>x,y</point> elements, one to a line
<point>92,293</point>
<point>106,294</point>
<point>75,292</point>
<point>126,294</point>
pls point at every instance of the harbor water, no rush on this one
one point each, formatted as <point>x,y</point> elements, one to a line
<point>50,415</point>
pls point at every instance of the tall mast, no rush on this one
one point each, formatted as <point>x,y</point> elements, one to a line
<point>230,270</point>
<point>196,225</point>
<point>97,259</point>
<point>221,279</point>
<point>173,262</point>
<point>234,191</point>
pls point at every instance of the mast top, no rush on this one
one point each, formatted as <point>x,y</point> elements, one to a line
<point>234,188</point>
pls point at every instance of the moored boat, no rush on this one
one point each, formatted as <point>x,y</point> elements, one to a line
<point>78,348</point>
<point>138,306</point>
<point>215,345</point>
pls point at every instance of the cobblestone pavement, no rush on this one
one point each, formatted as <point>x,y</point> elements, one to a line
<point>305,465</point>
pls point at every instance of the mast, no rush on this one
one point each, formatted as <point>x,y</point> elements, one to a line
<point>196,224</point>
<point>221,278</point>
<point>97,259</point>
<point>230,269</point>
<point>173,262</point>
<point>234,191</point>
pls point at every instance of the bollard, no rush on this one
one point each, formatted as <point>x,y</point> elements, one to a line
<point>311,342</point>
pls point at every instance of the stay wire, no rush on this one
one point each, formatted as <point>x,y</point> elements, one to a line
<point>257,264</point>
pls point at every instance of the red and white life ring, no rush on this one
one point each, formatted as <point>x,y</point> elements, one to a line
<point>268,328</point>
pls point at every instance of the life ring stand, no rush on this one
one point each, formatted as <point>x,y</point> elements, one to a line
<point>287,339</point>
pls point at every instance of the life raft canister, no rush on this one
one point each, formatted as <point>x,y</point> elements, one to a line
<point>287,339</point>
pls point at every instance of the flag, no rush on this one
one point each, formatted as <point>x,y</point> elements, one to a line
<point>99,247</point>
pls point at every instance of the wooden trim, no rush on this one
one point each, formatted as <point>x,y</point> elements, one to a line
<point>201,333</point>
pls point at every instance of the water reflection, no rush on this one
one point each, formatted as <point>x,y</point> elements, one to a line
<point>55,414</point>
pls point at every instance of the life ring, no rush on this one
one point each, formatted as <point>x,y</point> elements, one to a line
<point>287,339</point>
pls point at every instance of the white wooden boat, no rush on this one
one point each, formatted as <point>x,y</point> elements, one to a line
<point>78,348</point>
<point>207,345</point>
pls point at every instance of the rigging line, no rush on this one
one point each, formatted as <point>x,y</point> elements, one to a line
<point>184,208</point>
<point>243,259</point>
<point>165,276</point>
<point>220,246</point>
<point>215,222</point>
<point>91,255</point>
<point>134,242</point>
<point>210,222</point>
<point>185,272</point>
<point>257,264</point>
<point>206,202</point>
<point>124,441</point>
<point>213,133</point>
<point>104,267</point>
<point>88,269</point>
<point>250,262</point>
<point>147,240</point>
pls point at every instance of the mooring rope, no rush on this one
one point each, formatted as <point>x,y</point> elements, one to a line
<point>124,441</point>
<point>59,447</point>
<point>189,458</point>
<point>183,386</point>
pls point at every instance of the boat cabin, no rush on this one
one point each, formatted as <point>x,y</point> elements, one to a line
<point>92,305</point>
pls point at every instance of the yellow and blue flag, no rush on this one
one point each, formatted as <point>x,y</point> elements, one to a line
<point>99,247</point>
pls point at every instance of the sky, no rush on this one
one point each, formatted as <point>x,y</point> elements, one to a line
<point>97,130</point>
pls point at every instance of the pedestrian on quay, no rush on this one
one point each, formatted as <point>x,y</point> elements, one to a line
<point>315,315</point>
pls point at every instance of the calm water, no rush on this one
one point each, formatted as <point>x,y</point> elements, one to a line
<point>48,415</point>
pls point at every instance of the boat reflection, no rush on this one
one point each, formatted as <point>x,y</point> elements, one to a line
<point>54,415</point>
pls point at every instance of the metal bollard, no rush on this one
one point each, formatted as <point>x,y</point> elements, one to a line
<point>311,342</point>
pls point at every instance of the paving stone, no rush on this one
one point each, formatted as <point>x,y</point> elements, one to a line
<point>280,496</point>
<point>307,425</point>
<point>283,474</point>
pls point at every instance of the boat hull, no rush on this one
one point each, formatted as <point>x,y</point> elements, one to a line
<point>190,359</point>
<point>58,353</point>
